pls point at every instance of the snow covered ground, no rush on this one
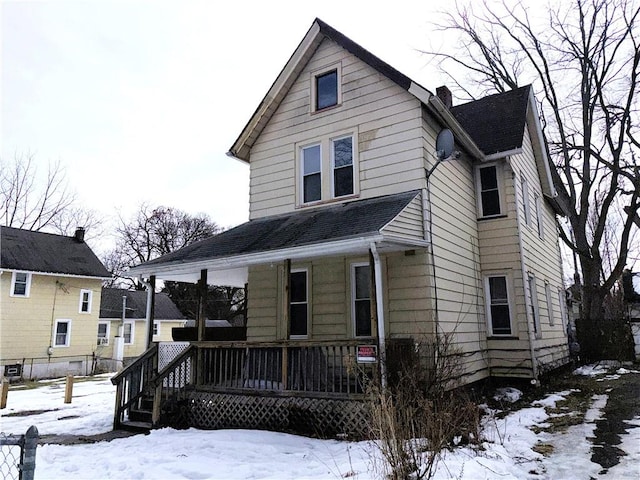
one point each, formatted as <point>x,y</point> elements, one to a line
<point>510,449</point>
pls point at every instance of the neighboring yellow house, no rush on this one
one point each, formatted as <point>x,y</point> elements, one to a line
<point>380,214</point>
<point>134,325</point>
<point>49,304</point>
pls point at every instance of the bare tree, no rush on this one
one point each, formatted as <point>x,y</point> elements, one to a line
<point>28,201</point>
<point>153,232</point>
<point>583,61</point>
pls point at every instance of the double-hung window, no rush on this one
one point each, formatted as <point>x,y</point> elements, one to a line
<point>85,301</point>
<point>533,303</point>
<point>129,332</point>
<point>524,192</point>
<point>489,186</point>
<point>547,293</point>
<point>342,162</point>
<point>498,305</point>
<point>62,333</point>
<point>156,327</point>
<point>539,219</point>
<point>103,333</point>
<point>361,298</point>
<point>311,173</point>
<point>298,304</point>
<point>20,284</point>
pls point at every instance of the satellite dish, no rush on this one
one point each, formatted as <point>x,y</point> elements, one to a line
<point>444,144</point>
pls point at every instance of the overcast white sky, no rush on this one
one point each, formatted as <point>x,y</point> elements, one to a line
<point>140,100</point>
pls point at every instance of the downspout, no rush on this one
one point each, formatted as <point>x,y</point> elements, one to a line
<point>150,288</point>
<point>527,300</point>
<point>377,269</point>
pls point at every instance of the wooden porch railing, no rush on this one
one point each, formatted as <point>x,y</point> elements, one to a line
<point>303,368</point>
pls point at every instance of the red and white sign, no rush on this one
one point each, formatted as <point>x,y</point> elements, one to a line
<point>367,354</point>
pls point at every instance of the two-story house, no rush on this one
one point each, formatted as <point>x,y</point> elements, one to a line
<point>366,230</point>
<point>125,312</point>
<point>49,303</point>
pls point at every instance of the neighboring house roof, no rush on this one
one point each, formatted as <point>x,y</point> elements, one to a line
<point>39,252</point>
<point>497,122</point>
<point>317,33</point>
<point>352,225</point>
<point>111,305</point>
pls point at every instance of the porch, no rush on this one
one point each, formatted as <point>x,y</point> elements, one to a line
<point>314,388</point>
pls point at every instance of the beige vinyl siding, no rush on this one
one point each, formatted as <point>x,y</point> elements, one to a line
<point>139,339</point>
<point>542,258</point>
<point>262,304</point>
<point>409,223</point>
<point>27,324</point>
<point>384,118</point>
<point>455,239</point>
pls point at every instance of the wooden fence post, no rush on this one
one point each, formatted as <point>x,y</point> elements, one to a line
<point>4,393</point>
<point>68,389</point>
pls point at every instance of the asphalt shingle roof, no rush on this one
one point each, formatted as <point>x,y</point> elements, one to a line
<point>111,305</point>
<point>307,227</point>
<point>496,123</point>
<point>47,253</point>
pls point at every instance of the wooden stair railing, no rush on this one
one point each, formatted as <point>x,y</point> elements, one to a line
<point>133,383</point>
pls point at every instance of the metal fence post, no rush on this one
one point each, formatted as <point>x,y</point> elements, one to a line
<point>28,460</point>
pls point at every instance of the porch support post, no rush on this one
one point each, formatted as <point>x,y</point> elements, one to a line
<point>285,311</point>
<point>380,314</point>
<point>151,308</point>
<point>201,322</point>
<point>202,304</point>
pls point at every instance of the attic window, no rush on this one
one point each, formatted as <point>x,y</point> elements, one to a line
<point>325,88</point>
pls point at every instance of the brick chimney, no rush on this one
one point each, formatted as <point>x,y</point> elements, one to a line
<point>444,94</point>
<point>79,235</point>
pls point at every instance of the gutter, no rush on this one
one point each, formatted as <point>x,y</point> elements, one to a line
<point>380,315</point>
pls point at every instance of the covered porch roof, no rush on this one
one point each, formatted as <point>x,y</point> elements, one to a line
<point>342,229</point>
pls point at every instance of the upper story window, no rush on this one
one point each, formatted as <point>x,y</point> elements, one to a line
<point>539,219</point>
<point>489,190</point>
<point>524,191</point>
<point>85,301</point>
<point>325,88</point>
<point>20,284</point>
<point>342,161</point>
<point>327,169</point>
<point>311,173</point>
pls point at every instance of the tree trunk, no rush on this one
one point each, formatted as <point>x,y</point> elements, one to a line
<point>601,337</point>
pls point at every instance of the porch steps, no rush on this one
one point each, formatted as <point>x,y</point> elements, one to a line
<point>136,426</point>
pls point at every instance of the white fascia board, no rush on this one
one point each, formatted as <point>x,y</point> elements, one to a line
<point>534,118</point>
<point>231,264</point>
<point>499,155</point>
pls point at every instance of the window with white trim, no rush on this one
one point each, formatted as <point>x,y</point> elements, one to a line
<point>342,163</point>
<point>20,284</point>
<point>498,304</point>
<point>103,333</point>
<point>86,297</point>
<point>533,303</point>
<point>311,173</point>
<point>129,329</point>
<point>562,299</point>
<point>326,88</point>
<point>547,294</point>
<point>327,169</point>
<point>489,190</point>
<point>62,333</point>
<point>156,327</point>
<point>298,304</point>
<point>361,299</point>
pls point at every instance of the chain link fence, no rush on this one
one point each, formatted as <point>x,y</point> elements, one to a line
<point>18,455</point>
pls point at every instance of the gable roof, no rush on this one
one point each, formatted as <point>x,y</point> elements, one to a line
<point>111,305</point>
<point>315,35</point>
<point>496,122</point>
<point>344,227</point>
<point>39,252</point>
